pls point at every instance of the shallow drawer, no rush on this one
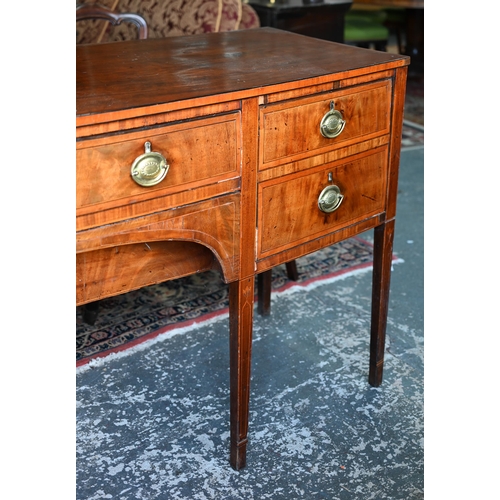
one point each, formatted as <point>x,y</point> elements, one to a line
<point>291,130</point>
<point>198,153</point>
<point>288,206</point>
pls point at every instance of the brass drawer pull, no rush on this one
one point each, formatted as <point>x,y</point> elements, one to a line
<point>149,168</point>
<point>330,199</point>
<point>332,123</point>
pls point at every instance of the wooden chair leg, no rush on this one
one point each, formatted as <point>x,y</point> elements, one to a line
<point>241,302</point>
<point>382,263</point>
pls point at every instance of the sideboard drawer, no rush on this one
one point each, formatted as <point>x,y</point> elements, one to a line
<point>291,130</point>
<point>198,153</point>
<point>288,206</point>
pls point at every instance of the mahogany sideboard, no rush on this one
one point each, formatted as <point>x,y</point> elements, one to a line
<point>235,151</point>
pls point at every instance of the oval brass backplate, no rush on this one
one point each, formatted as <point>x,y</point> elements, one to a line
<point>332,124</point>
<point>149,168</point>
<point>330,199</point>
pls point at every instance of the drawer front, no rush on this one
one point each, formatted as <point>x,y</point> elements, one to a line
<point>291,131</point>
<point>198,153</point>
<point>288,206</point>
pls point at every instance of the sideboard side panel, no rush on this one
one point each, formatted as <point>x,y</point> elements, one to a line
<point>396,137</point>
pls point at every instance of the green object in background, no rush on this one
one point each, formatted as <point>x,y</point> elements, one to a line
<point>365,27</point>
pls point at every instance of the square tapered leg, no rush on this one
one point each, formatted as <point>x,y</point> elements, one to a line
<point>382,264</point>
<point>241,302</point>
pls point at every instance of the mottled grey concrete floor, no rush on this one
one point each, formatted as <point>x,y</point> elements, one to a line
<point>155,424</point>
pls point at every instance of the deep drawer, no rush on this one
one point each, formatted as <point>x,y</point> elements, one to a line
<point>291,131</point>
<point>288,206</point>
<point>198,153</point>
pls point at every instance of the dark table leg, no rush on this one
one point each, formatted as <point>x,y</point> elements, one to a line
<point>241,302</point>
<point>264,292</point>
<point>90,312</point>
<point>291,270</point>
<point>382,263</point>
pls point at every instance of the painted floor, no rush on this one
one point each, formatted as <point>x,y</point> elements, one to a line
<point>154,424</point>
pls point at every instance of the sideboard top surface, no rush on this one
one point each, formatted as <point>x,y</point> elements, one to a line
<point>135,74</point>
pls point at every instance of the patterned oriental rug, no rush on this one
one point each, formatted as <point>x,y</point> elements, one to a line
<point>129,319</point>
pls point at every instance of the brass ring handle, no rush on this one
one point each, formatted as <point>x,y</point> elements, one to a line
<point>332,124</point>
<point>330,199</point>
<point>149,168</point>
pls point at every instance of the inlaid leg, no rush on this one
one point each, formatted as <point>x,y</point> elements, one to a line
<point>241,301</point>
<point>382,262</point>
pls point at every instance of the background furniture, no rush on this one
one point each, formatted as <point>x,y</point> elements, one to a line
<point>320,19</point>
<point>180,160</point>
<point>167,18</point>
<point>414,29</point>
<point>94,11</point>
<point>366,28</point>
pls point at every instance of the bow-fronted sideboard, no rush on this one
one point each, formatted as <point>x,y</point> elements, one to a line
<point>235,151</point>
